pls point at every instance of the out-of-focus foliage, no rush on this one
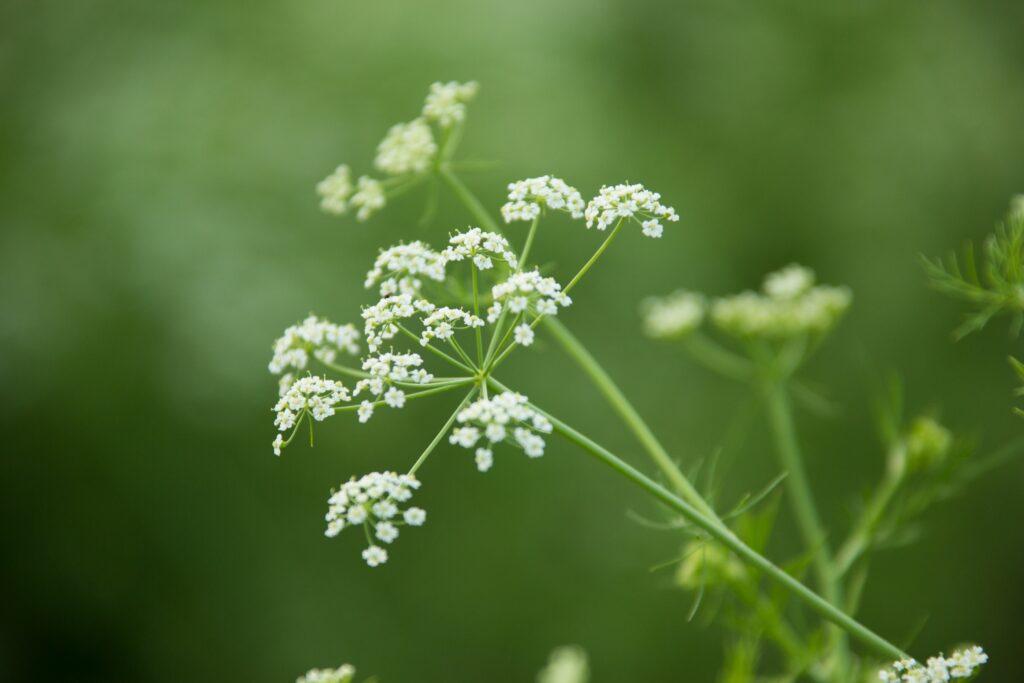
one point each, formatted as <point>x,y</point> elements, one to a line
<point>159,227</point>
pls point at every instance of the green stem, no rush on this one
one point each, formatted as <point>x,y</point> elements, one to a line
<point>476,312</point>
<point>440,435</point>
<point>597,254</point>
<point>470,201</point>
<point>437,352</point>
<point>409,397</point>
<point>628,413</point>
<point>529,242</point>
<point>716,358</point>
<point>860,539</point>
<point>726,537</point>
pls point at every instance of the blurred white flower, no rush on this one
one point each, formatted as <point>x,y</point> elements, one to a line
<point>407,148</point>
<point>313,336</point>
<point>334,190</point>
<point>445,102</point>
<point>567,664</point>
<point>342,674</point>
<point>675,315</point>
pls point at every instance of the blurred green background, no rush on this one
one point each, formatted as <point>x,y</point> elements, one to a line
<point>158,229</point>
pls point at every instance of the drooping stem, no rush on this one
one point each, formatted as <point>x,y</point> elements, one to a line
<point>726,537</point>
<point>440,435</point>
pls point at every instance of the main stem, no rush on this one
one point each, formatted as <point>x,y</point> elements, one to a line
<point>726,537</point>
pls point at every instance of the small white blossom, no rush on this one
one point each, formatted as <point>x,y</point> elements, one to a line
<point>523,335</point>
<point>313,336</point>
<point>335,190</point>
<point>278,443</point>
<point>386,531</point>
<point>522,289</point>
<point>381,320</point>
<point>313,396</point>
<point>484,459</point>
<point>675,315</point>
<point>527,197</point>
<point>415,516</point>
<point>394,397</point>
<point>796,307</point>
<point>407,148</point>
<point>385,369</point>
<point>790,282</point>
<point>445,102</point>
<point>504,418</point>
<point>634,202</point>
<point>443,322</point>
<point>940,669</point>
<point>369,197</point>
<point>567,664</point>
<point>398,269</point>
<point>372,502</point>
<point>481,247</point>
<point>342,674</point>
<point>375,555</point>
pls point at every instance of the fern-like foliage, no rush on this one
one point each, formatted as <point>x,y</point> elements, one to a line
<point>996,285</point>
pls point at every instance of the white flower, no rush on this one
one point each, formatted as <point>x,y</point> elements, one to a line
<point>365,411</point>
<point>313,396</point>
<point>675,315</point>
<point>372,502</point>
<point>278,443</point>
<point>481,247</point>
<point>442,323</point>
<point>940,669</point>
<point>790,282</point>
<point>375,555</point>
<point>342,674</point>
<point>504,418</point>
<point>524,288</point>
<point>484,459</point>
<point>527,197</point>
<point>445,102</point>
<point>567,664</point>
<point>796,307</point>
<point>407,148</point>
<point>381,320</point>
<point>394,397</point>
<point>386,531</point>
<point>314,336</point>
<point>634,202</point>
<point>399,268</point>
<point>369,197</point>
<point>523,335</point>
<point>415,516</point>
<point>334,190</point>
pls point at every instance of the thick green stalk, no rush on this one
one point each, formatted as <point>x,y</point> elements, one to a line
<point>726,537</point>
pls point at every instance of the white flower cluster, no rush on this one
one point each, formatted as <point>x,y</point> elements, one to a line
<point>567,664</point>
<point>372,502</point>
<point>442,323</point>
<point>526,197</point>
<point>314,336</point>
<point>399,268</point>
<point>407,148</point>
<point>337,196</point>
<point>446,102</point>
<point>311,395</point>
<point>523,289</point>
<point>385,370</point>
<point>482,247</point>
<point>335,189</point>
<point>790,306</point>
<point>381,320</point>
<point>343,674</point>
<point>506,417</point>
<point>629,201</point>
<point>675,315</point>
<point>961,664</point>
